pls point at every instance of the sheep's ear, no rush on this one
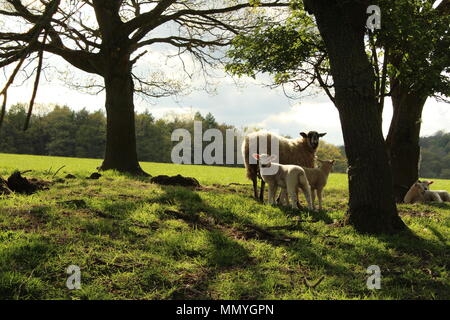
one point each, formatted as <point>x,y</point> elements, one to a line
<point>333,161</point>
<point>272,158</point>
<point>256,156</point>
<point>430,182</point>
<point>304,135</point>
<point>322,134</point>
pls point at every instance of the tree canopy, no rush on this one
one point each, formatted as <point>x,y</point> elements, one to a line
<point>293,52</point>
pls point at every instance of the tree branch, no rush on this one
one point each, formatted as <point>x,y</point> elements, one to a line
<point>147,21</point>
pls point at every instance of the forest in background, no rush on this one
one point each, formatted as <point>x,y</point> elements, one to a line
<point>81,134</point>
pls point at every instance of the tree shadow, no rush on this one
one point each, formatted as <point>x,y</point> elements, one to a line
<point>21,266</point>
<point>330,257</point>
<point>439,205</point>
<point>315,215</point>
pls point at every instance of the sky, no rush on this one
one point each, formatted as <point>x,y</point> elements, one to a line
<point>250,103</point>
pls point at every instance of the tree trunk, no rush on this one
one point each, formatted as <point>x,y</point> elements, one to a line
<point>372,207</point>
<point>403,138</point>
<point>120,154</point>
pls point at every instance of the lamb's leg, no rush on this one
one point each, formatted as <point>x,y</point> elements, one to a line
<point>319,196</point>
<point>272,191</point>
<point>304,184</point>
<point>293,197</point>
<point>292,189</point>
<point>261,192</point>
<point>284,197</point>
<point>280,199</point>
<point>313,198</point>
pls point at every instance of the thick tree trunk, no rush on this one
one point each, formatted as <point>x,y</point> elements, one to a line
<point>403,138</point>
<point>372,207</point>
<point>120,154</point>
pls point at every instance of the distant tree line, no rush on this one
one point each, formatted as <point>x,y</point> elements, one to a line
<point>435,152</point>
<point>69,133</point>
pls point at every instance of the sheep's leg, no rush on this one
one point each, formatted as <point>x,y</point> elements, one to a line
<point>283,197</point>
<point>313,198</point>
<point>304,184</point>
<point>261,192</point>
<point>293,197</point>
<point>307,193</point>
<point>272,191</point>
<point>255,187</point>
<point>319,196</point>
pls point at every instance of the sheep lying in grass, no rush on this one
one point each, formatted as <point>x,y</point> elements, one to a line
<point>289,177</point>
<point>317,178</point>
<point>300,152</point>
<point>443,194</point>
<point>419,192</point>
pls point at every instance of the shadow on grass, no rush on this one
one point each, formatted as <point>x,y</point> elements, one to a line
<point>439,205</point>
<point>227,255</point>
<point>21,270</point>
<point>405,260</point>
<point>316,215</point>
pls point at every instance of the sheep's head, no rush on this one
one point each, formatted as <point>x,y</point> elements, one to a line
<point>264,159</point>
<point>327,164</point>
<point>420,187</point>
<point>312,138</point>
<point>425,184</point>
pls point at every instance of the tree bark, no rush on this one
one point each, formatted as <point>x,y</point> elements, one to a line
<point>372,207</point>
<point>120,154</point>
<point>403,138</point>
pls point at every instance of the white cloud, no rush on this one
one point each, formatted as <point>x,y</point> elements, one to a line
<point>306,116</point>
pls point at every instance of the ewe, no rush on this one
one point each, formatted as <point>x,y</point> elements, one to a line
<point>289,177</point>
<point>300,152</point>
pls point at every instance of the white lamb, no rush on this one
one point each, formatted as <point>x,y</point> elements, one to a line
<point>443,194</point>
<point>420,192</point>
<point>289,177</point>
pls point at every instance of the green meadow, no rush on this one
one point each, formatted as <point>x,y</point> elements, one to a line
<point>136,240</point>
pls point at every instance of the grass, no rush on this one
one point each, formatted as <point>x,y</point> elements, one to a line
<point>136,240</point>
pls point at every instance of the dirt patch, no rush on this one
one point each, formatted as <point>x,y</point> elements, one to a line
<point>22,185</point>
<point>177,180</point>
<point>70,176</point>
<point>94,176</point>
<point>4,189</point>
